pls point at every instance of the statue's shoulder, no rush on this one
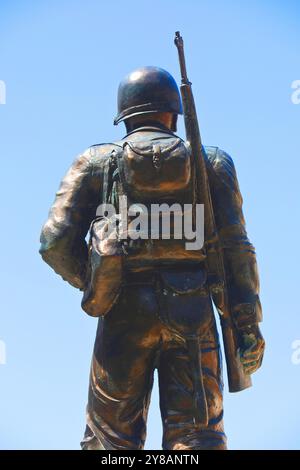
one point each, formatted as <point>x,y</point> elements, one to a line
<point>99,156</point>
<point>221,167</point>
<point>100,153</point>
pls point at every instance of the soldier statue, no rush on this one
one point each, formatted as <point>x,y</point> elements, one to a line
<point>154,297</point>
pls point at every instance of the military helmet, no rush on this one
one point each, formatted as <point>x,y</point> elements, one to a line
<point>147,90</point>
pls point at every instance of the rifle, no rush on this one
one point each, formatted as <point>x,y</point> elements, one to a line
<point>237,378</point>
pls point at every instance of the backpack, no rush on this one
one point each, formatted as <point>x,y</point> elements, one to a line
<point>146,172</point>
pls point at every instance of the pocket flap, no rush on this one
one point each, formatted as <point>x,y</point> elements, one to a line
<point>184,282</point>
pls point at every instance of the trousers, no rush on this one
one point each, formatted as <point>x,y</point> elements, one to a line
<point>132,341</point>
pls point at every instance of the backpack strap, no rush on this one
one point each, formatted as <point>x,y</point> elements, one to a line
<point>109,169</point>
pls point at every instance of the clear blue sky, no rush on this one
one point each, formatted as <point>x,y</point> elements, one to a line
<point>62,61</point>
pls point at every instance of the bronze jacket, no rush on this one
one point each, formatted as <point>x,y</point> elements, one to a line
<point>63,244</point>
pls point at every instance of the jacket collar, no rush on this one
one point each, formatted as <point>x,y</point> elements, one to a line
<point>159,128</point>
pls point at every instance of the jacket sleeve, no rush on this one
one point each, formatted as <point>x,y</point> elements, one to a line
<point>63,244</point>
<point>240,265</point>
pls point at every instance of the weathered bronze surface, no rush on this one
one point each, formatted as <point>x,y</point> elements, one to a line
<point>154,298</point>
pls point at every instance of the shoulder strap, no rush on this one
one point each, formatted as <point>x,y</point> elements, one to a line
<point>109,169</point>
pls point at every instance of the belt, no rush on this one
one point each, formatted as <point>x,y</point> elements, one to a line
<point>132,278</point>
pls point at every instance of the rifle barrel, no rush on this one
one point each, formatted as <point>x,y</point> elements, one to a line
<point>180,47</point>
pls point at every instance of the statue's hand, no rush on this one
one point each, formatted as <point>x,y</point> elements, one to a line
<point>252,348</point>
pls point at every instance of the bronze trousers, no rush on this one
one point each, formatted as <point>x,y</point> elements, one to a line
<point>131,342</point>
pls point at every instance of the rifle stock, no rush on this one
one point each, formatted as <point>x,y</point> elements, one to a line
<point>237,378</point>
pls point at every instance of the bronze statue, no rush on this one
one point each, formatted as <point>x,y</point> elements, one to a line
<point>154,293</point>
